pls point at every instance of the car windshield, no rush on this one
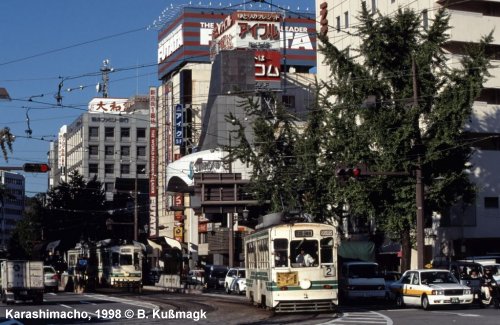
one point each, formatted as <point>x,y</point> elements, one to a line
<point>49,269</point>
<point>363,271</point>
<point>242,274</point>
<point>437,277</point>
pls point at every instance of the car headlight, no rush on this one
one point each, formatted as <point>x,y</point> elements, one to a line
<point>467,291</point>
<point>438,292</point>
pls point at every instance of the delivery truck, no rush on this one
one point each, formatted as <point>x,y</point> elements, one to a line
<point>22,280</point>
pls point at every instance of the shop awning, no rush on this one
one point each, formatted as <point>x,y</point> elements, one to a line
<point>52,245</point>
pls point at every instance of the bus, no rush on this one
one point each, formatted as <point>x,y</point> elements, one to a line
<point>277,281</point>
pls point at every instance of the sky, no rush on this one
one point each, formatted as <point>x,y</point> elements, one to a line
<point>44,42</point>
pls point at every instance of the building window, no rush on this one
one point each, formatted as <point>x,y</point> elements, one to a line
<point>109,187</point>
<point>491,202</point>
<point>110,151</point>
<point>125,133</point>
<point>346,18</point>
<point>141,169</point>
<point>125,169</point>
<point>93,131</point>
<point>338,23</point>
<point>93,150</point>
<point>109,133</point>
<point>125,151</point>
<point>374,6</point>
<point>109,169</point>
<point>141,151</point>
<point>425,19</point>
<point>141,133</point>
<point>288,101</point>
<point>93,168</point>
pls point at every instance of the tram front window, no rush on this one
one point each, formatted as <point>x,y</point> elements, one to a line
<point>125,259</point>
<point>304,252</point>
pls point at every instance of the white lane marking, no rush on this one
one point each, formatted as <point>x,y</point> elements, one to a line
<point>66,306</point>
<point>369,317</point>
<point>87,302</point>
<point>125,301</point>
<point>458,314</point>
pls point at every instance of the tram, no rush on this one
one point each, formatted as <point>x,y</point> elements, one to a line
<point>275,278</point>
<point>117,264</point>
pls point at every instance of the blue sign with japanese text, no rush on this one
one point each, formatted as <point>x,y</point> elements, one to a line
<point>178,124</point>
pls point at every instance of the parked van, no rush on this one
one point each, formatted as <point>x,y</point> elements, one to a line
<point>361,280</point>
<point>215,276</point>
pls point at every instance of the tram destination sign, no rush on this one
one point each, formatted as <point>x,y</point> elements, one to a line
<point>304,233</point>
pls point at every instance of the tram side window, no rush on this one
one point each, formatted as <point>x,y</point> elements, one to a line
<point>263,254</point>
<point>251,255</point>
<point>326,245</point>
<point>281,252</point>
<point>136,259</point>
<point>115,258</point>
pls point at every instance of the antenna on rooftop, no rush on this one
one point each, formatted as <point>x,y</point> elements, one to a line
<point>105,70</point>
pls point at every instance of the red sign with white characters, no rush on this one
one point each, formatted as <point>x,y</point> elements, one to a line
<point>267,65</point>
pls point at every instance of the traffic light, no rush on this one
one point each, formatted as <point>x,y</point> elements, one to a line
<point>36,168</point>
<point>348,172</point>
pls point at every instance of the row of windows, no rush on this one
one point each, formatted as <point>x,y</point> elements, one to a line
<point>425,17</point>
<point>15,181</point>
<point>109,133</point>
<point>109,169</point>
<point>109,151</point>
<point>285,253</point>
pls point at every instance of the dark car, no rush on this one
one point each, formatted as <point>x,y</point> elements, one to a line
<point>468,273</point>
<point>154,275</point>
<point>215,275</point>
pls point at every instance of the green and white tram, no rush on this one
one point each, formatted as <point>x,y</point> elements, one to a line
<point>275,278</point>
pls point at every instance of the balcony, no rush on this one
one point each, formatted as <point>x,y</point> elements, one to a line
<point>471,26</point>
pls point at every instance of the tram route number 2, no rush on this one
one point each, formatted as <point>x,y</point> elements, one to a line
<point>328,271</point>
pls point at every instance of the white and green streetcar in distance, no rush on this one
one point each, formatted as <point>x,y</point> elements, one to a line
<point>277,280</point>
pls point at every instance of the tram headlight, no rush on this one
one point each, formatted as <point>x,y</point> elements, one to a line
<point>305,284</point>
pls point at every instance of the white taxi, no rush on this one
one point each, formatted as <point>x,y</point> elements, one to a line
<point>430,287</point>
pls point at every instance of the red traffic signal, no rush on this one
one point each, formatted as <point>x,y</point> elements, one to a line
<point>349,172</point>
<point>36,168</point>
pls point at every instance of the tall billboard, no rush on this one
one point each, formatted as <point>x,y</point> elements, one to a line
<point>186,38</point>
<point>153,162</point>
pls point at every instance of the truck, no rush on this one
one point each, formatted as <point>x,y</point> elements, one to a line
<point>22,280</point>
<point>359,276</point>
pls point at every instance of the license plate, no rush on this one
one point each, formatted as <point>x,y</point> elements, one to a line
<point>455,300</point>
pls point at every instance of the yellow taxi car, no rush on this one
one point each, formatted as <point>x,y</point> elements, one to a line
<point>430,287</point>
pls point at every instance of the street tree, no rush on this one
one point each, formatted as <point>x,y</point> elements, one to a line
<point>394,105</point>
<point>28,232</point>
<point>269,147</point>
<point>75,210</point>
<point>6,141</point>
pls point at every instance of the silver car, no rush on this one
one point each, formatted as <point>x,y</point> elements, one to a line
<point>50,278</point>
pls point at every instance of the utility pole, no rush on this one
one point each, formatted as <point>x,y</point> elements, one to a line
<point>136,214</point>
<point>419,186</point>
<point>230,225</point>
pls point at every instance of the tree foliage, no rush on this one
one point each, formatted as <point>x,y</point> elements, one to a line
<point>270,151</point>
<point>391,105</point>
<point>28,231</point>
<point>400,123</point>
<point>6,141</point>
<point>76,210</point>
